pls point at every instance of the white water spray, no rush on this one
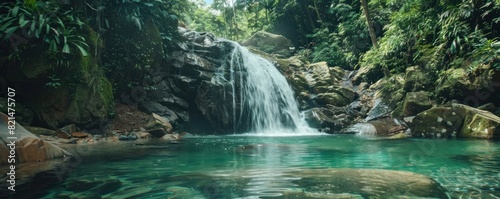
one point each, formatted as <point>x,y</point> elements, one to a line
<point>266,101</point>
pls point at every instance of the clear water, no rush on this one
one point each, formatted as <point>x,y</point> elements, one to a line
<point>221,167</point>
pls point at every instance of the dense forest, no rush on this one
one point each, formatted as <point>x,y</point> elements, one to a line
<point>102,49</point>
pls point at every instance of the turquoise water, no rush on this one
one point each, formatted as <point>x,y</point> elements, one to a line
<point>253,167</point>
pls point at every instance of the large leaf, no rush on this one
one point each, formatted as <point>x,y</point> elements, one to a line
<point>66,49</point>
<point>15,10</point>
<point>82,50</point>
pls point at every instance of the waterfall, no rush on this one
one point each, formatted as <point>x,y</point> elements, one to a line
<point>262,102</point>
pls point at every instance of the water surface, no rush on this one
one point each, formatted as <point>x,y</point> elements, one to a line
<point>253,166</point>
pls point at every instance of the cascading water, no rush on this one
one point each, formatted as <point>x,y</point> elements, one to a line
<point>263,102</point>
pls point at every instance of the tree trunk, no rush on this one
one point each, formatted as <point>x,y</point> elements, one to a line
<point>369,23</point>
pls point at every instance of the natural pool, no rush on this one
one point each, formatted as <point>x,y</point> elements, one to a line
<point>265,167</point>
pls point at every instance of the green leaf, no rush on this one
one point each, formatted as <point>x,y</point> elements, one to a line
<point>47,29</point>
<point>10,31</point>
<point>82,50</point>
<point>66,49</point>
<point>53,46</point>
<point>15,10</point>
<point>32,29</point>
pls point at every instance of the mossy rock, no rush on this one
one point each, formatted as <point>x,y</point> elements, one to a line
<point>479,123</point>
<point>335,99</point>
<point>437,122</point>
<point>418,78</point>
<point>416,102</point>
<point>369,73</point>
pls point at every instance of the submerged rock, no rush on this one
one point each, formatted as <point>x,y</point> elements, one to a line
<point>368,183</point>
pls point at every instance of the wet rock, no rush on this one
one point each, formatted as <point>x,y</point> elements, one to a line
<point>415,102</point>
<point>335,99</point>
<point>81,134</point>
<point>171,137</point>
<point>28,148</point>
<point>158,133</point>
<point>329,119</point>
<point>380,127</point>
<point>369,183</point>
<point>479,123</point>
<point>437,122</point>
<point>143,135</point>
<point>271,43</point>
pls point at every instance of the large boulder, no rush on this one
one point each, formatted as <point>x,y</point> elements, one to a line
<point>271,43</point>
<point>418,78</point>
<point>437,122</point>
<point>479,123</point>
<point>456,120</point>
<point>415,102</point>
<point>27,147</point>
<point>369,73</point>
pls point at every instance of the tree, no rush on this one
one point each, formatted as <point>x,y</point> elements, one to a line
<point>369,23</point>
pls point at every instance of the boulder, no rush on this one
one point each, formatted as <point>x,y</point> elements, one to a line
<point>271,43</point>
<point>437,122</point>
<point>28,147</point>
<point>381,127</point>
<point>81,134</point>
<point>369,73</point>
<point>418,78</point>
<point>479,123</point>
<point>24,115</point>
<point>415,102</point>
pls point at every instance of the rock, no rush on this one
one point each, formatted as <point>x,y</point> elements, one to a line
<point>437,122</point>
<point>470,87</point>
<point>415,102</point>
<point>335,99</point>
<point>163,122</point>
<point>368,73</point>
<point>488,107</point>
<point>143,135</point>
<point>28,147</point>
<point>318,75</point>
<point>331,119</point>
<point>81,134</point>
<point>66,131</point>
<point>158,133</point>
<point>211,100</point>
<point>418,79</point>
<point>39,130</point>
<point>380,127</point>
<point>171,137</point>
<point>271,43</point>
<point>368,183</point>
<point>479,123</point>
<point>123,137</point>
<point>160,110</point>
